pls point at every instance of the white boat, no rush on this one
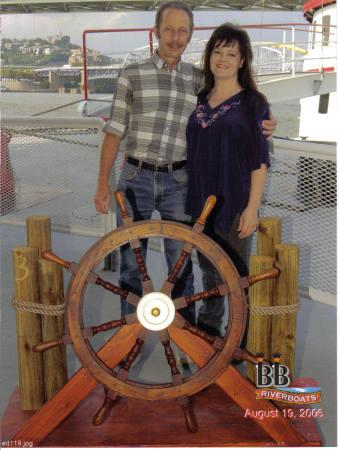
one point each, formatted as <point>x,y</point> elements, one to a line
<point>318,117</point>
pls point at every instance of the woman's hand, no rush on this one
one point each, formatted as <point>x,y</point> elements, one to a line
<point>248,222</point>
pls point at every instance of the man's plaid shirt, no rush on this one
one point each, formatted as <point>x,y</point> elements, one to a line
<point>151,106</point>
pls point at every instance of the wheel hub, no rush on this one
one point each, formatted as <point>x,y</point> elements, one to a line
<point>155,311</point>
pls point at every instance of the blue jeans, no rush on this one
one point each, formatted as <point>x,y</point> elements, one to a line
<point>146,191</point>
<point>211,312</point>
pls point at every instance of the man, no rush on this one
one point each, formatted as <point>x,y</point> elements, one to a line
<point>152,103</point>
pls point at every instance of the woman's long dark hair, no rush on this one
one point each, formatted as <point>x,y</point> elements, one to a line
<point>226,34</point>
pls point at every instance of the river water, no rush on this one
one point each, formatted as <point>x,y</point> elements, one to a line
<point>30,103</point>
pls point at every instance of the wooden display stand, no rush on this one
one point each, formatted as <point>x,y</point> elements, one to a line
<point>221,418</point>
<point>139,423</point>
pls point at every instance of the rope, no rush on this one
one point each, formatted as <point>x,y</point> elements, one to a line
<point>277,309</point>
<point>37,308</point>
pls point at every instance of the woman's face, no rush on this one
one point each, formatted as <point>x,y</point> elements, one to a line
<point>226,60</point>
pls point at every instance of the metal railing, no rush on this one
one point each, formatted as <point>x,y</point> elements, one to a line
<point>50,166</point>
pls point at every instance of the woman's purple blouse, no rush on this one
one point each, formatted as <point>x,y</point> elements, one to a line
<point>224,145</point>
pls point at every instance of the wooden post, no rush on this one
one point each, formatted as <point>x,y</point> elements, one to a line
<point>53,327</point>
<point>51,290</point>
<point>26,288</point>
<point>285,292</point>
<point>38,230</point>
<point>269,234</point>
<point>259,329</point>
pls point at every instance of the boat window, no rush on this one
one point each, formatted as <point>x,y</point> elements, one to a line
<point>326,29</point>
<point>323,103</point>
<point>314,29</point>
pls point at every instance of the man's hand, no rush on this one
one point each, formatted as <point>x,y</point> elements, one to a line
<point>109,151</point>
<point>102,199</point>
<point>269,127</point>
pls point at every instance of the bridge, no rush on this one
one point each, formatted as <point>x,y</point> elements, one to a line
<point>62,6</point>
<point>59,76</point>
<point>93,72</point>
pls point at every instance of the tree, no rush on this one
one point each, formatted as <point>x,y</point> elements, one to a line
<point>44,84</point>
<point>42,41</point>
<point>9,72</point>
<point>63,41</point>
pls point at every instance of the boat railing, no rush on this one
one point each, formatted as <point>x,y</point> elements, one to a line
<point>281,56</point>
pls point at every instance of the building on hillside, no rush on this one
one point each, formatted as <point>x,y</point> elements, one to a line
<point>77,56</point>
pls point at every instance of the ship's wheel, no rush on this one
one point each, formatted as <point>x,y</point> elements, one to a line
<point>156,312</point>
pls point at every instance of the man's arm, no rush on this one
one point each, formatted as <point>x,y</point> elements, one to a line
<point>109,151</point>
<point>269,127</point>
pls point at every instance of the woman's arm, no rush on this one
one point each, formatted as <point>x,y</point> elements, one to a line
<point>249,217</point>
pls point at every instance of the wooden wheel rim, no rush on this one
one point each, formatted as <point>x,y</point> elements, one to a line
<point>147,229</point>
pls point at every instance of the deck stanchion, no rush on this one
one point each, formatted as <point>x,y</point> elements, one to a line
<point>269,234</point>
<point>38,230</point>
<point>26,294</point>
<point>259,329</point>
<point>285,293</point>
<point>52,327</point>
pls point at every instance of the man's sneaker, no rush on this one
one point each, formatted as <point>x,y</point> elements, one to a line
<point>212,331</point>
<point>184,362</point>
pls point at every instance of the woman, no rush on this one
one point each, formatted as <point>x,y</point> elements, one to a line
<point>227,157</point>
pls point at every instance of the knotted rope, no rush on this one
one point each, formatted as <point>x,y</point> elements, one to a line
<point>276,309</point>
<point>37,308</point>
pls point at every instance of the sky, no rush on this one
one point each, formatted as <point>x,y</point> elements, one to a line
<point>73,24</point>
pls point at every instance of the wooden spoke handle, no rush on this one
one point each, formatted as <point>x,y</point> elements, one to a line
<point>209,205</point>
<point>266,275</point>
<point>190,419</point>
<point>103,411</point>
<point>200,333</point>
<point>55,259</point>
<point>111,287</point>
<point>141,263</point>
<point>119,197</point>
<point>109,325</point>
<point>127,362</point>
<point>97,280</point>
<point>42,346</point>
<point>177,266</point>
<point>170,357</point>
<point>202,295</point>
<point>242,354</point>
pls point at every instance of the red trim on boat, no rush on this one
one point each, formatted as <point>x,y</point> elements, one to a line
<point>311,4</point>
<point>323,69</point>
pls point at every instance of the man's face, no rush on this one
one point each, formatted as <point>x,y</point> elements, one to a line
<point>174,33</point>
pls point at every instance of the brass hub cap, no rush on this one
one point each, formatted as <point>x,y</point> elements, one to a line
<point>155,311</point>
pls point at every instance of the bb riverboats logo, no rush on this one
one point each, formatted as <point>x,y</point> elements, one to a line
<point>275,384</point>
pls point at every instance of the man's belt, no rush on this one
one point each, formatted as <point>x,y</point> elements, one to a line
<point>156,168</point>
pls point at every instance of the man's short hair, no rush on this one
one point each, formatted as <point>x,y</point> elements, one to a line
<point>173,5</point>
